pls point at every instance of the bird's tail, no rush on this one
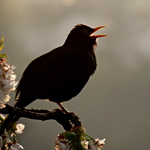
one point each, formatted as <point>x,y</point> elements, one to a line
<point>8,123</point>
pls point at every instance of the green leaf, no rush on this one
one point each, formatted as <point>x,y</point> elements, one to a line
<point>2,41</point>
<point>1,118</point>
<point>1,47</point>
<point>69,135</point>
<point>82,138</point>
<point>78,146</point>
<point>3,55</point>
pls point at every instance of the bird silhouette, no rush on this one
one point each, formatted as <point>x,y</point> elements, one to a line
<point>60,74</point>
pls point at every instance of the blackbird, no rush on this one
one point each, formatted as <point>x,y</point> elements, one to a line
<point>60,74</point>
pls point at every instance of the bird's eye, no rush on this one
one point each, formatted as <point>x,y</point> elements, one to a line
<point>84,32</point>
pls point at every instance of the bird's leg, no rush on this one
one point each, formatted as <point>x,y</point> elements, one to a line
<point>63,108</point>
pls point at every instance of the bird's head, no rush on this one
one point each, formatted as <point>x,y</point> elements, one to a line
<point>82,36</point>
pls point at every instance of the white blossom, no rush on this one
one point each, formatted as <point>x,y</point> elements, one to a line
<point>15,146</point>
<point>85,144</point>
<point>7,81</point>
<point>62,146</point>
<point>9,145</point>
<point>20,127</point>
<point>98,144</point>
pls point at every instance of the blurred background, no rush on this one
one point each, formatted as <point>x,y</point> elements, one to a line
<point>115,104</point>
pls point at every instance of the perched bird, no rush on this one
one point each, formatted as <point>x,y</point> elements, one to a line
<point>60,74</point>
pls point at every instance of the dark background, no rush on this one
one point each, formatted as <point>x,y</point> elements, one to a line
<point>115,102</point>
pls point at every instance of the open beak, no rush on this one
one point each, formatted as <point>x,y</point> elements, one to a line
<point>96,29</point>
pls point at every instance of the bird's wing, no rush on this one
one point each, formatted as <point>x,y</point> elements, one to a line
<point>52,69</point>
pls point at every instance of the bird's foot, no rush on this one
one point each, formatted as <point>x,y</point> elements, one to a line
<point>63,108</point>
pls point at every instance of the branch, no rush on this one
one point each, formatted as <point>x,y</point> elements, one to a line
<point>66,120</point>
